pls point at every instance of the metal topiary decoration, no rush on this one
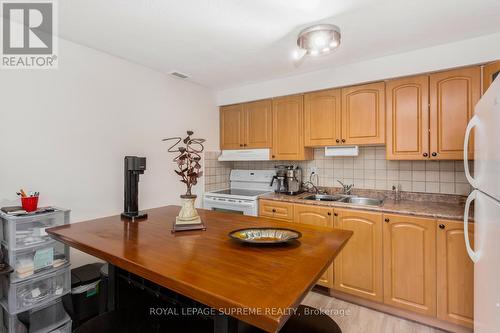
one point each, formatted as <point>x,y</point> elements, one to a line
<point>188,160</point>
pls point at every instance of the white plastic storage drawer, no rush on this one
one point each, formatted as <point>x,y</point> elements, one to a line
<point>66,328</point>
<point>43,319</point>
<point>26,295</point>
<point>35,261</point>
<point>21,232</point>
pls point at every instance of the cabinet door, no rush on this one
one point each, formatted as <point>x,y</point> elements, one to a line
<point>453,96</point>
<point>276,210</point>
<point>410,263</point>
<point>288,129</point>
<point>408,118</point>
<point>363,114</point>
<point>322,118</point>
<point>490,73</point>
<point>358,267</point>
<point>258,124</point>
<point>455,274</point>
<point>321,216</point>
<point>231,127</point>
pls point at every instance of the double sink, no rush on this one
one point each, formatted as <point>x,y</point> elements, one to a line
<point>351,199</point>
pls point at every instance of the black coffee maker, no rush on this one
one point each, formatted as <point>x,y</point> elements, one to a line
<point>133,167</point>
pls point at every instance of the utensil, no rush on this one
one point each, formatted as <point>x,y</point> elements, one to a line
<point>266,235</point>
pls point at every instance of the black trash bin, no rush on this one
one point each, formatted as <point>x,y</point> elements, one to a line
<point>87,296</point>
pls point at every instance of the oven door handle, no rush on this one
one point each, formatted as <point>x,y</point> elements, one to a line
<point>229,201</point>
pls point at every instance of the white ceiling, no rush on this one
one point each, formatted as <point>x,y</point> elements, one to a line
<point>227,43</point>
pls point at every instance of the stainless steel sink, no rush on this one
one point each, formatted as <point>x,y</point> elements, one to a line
<point>325,197</point>
<point>363,201</point>
<point>351,199</point>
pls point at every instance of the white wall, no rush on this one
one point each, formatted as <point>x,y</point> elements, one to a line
<point>65,132</point>
<point>466,52</point>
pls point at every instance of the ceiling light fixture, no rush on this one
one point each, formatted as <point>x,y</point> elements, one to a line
<point>319,39</point>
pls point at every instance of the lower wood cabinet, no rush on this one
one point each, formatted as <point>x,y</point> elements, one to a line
<point>410,263</point>
<point>455,274</point>
<point>276,210</point>
<point>320,216</point>
<point>358,267</point>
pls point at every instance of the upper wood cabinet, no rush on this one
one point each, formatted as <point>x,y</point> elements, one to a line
<point>247,125</point>
<point>453,96</point>
<point>322,118</point>
<point>288,129</point>
<point>320,216</point>
<point>455,274</point>
<point>408,118</point>
<point>363,114</point>
<point>358,267</point>
<point>410,263</point>
<point>490,72</point>
<point>231,126</point>
<point>258,124</point>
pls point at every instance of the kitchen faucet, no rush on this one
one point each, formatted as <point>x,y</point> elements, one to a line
<point>346,189</point>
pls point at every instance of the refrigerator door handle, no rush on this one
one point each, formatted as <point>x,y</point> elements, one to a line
<point>472,123</point>
<point>473,255</point>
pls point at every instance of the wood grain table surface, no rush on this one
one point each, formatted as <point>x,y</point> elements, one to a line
<point>209,267</point>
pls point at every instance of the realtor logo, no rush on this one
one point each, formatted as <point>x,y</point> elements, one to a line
<point>28,34</point>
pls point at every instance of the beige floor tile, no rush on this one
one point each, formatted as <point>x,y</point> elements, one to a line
<point>353,318</point>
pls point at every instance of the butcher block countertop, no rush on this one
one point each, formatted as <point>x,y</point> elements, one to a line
<point>448,207</point>
<point>209,267</point>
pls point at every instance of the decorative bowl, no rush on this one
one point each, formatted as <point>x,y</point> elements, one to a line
<point>265,235</point>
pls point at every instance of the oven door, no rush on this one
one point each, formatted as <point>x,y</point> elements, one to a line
<point>227,205</point>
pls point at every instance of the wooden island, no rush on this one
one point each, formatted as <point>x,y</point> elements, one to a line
<point>207,266</point>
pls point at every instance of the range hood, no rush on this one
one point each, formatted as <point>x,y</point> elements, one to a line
<point>342,151</point>
<point>246,155</point>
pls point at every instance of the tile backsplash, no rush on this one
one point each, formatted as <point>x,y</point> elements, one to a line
<point>369,170</point>
<point>216,173</point>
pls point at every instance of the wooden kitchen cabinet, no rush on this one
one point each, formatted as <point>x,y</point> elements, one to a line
<point>288,129</point>
<point>409,263</point>
<point>453,96</point>
<point>408,118</point>
<point>322,118</point>
<point>276,210</point>
<point>320,216</point>
<point>258,124</point>
<point>490,72</point>
<point>231,126</point>
<point>363,114</point>
<point>358,267</point>
<point>455,274</point>
<point>247,125</point>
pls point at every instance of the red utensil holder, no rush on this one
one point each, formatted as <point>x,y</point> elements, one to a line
<point>30,204</point>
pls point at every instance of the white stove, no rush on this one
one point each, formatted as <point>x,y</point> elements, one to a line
<point>242,197</point>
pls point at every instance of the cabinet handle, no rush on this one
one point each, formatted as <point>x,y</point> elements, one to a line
<point>425,154</point>
<point>329,213</point>
<point>244,145</point>
<point>434,154</point>
<point>441,226</point>
<point>241,145</point>
<point>387,220</point>
<point>343,140</point>
<point>273,156</point>
<point>334,214</point>
<point>337,140</point>
<point>274,210</point>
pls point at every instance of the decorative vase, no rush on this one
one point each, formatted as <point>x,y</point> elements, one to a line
<point>188,213</point>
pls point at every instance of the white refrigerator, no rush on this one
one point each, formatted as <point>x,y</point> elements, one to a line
<point>486,197</point>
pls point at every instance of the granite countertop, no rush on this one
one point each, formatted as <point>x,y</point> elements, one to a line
<point>437,206</point>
